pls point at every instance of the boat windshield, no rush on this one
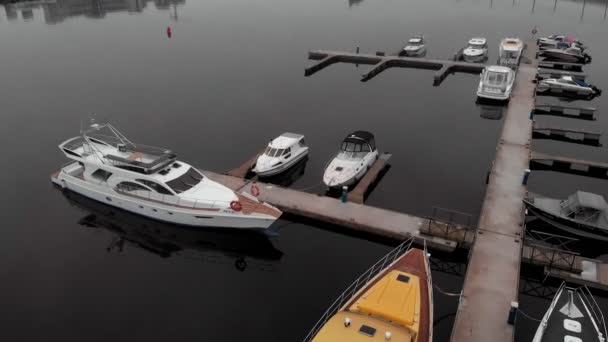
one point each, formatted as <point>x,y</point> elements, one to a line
<point>351,150</point>
<point>275,152</point>
<point>414,42</point>
<point>186,181</point>
<point>476,46</point>
<point>496,78</point>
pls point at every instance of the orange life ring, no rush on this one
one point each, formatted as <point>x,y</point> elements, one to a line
<point>236,206</point>
<point>255,190</point>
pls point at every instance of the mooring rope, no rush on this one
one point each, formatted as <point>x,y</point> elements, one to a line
<point>527,316</point>
<point>446,293</point>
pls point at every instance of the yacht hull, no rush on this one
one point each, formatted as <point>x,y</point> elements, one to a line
<point>162,211</point>
<point>281,168</point>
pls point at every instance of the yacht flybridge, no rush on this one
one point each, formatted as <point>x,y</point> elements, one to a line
<point>150,181</point>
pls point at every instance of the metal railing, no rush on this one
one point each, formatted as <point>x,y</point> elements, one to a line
<point>594,308</point>
<point>358,284</point>
<point>444,223</point>
<point>552,257</point>
<point>172,200</point>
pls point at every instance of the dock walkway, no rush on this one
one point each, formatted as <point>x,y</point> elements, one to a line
<point>492,279</point>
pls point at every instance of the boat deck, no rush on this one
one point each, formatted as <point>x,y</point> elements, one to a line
<point>492,278</point>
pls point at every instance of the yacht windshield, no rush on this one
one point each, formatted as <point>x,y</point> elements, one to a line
<point>351,150</point>
<point>186,181</point>
<point>274,152</point>
<point>476,46</point>
<point>496,78</point>
<point>415,42</point>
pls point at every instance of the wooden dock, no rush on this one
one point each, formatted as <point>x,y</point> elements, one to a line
<point>382,62</point>
<point>244,169</point>
<point>543,161</point>
<point>569,111</point>
<point>492,278</point>
<point>350,216</point>
<point>358,194</point>
<point>572,135</point>
<point>546,64</point>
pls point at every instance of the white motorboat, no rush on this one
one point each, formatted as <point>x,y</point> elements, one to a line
<point>282,153</point>
<point>573,316</point>
<point>570,55</point>
<point>476,50</point>
<point>357,154</point>
<point>415,47</point>
<point>496,83</point>
<point>567,84</point>
<point>559,41</point>
<point>510,51</point>
<point>150,181</point>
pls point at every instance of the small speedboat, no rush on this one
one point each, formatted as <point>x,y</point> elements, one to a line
<point>567,84</point>
<point>558,41</point>
<point>573,316</point>
<point>282,153</point>
<point>571,55</point>
<point>476,50</point>
<point>392,301</point>
<point>357,154</point>
<point>415,47</point>
<point>582,214</point>
<point>496,83</point>
<point>510,51</point>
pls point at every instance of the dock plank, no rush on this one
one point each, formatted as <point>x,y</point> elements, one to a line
<point>357,195</point>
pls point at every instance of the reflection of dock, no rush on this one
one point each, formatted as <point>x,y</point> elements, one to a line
<point>381,62</point>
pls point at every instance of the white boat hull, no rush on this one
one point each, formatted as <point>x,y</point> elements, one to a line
<point>474,58</point>
<point>283,167</point>
<point>167,212</point>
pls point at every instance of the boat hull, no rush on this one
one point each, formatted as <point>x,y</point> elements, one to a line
<point>166,212</point>
<point>567,225</point>
<point>474,58</point>
<point>558,56</point>
<point>281,168</point>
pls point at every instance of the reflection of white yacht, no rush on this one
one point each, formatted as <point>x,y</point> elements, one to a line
<point>357,154</point>
<point>150,181</point>
<point>282,153</point>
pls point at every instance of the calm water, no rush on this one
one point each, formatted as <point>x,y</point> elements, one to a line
<point>229,79</point>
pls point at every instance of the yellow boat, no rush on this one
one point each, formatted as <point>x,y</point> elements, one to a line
<point>392,301</point>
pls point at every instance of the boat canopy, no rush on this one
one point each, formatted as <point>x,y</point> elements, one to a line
<point>586,207</point>
<point>360,137</point>
<point>587,200</point>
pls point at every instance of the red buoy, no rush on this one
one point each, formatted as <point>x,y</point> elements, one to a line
<point>169,33</point>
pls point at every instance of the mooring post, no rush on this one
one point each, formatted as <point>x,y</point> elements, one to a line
<point>344,196</point>
<point>531,115</point>
<point>513,313</point>
<point>526,176</point>
<point>357,48</point>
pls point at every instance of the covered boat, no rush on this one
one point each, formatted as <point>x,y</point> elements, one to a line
<point>568,84</point>
<point>476,50</point>
<point>281,153</point>
<point>573,316</point>
<point>393,300</point>
<point>496,83</point>
<point>357,154</point>
<point>582,213</point>
<point>569,55</point>
<point>415,47</point>
<point>559,41</point>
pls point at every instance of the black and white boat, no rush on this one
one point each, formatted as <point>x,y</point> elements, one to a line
<point>572,54</point>
<point>357,154</point>
<point>573,316</point>
<point>582,214</point>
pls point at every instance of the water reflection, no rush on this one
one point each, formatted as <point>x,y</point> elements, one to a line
<point>491,112</point>
<point>56,11</point>
<point>243,249</point>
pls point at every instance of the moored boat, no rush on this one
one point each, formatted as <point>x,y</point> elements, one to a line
<point>509,52</point>
<point>281,154</point>
<point>150,181</point>
<point>415,47</point>
<point>476,50</point>
<point>357,154</point>
<point>393,300</point>
<point>582,213</point>
<point>573,316</point>
<point>496,83</point>
<point>569,55</point>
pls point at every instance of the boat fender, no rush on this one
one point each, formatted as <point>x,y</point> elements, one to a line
<point>347,322</point>
<point>63,184</point>
<point>255,190</point>
<point>236,206</point>
<point>388,335</point>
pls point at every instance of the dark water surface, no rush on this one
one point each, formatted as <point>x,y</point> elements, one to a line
<point>229,79</point>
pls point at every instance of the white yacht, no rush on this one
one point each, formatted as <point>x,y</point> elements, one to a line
<point>415,47</point>
<point>476,50</point>
<point>282,153</point>
<point>357,154</point>
<point>496,83</point>
<point>510,51</point>
<point>150,181</point>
